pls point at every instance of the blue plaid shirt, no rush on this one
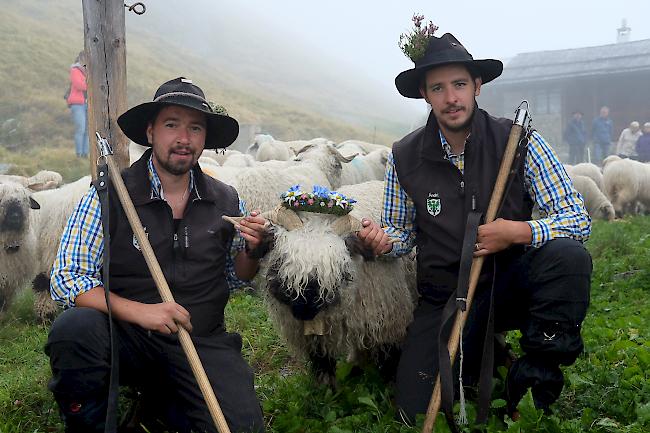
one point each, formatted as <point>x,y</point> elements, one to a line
<point>79,260</point>
<point>561,207</point>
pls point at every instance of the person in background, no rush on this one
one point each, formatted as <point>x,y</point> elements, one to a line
<point>601,134</point>
<point>625,148</point>
<point>576,137</point>
<point>77,102</point>
<point>643,144</point>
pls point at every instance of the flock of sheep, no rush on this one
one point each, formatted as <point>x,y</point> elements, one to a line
<point>364,303</point>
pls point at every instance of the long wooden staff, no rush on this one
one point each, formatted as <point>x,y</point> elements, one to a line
<point>521,117</point>
<point>161,284</point>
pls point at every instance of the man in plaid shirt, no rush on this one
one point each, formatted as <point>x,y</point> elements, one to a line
<point>536,271</point>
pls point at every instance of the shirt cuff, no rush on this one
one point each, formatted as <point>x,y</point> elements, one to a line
<point>540,231</point>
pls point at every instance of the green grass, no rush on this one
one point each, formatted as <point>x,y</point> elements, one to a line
<point>607,390</point>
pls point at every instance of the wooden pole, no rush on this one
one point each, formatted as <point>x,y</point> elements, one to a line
<point>477,262</point>
<point>105,46</point>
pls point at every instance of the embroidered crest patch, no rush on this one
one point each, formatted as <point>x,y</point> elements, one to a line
<point>136,244</point>
<point>433,204</point>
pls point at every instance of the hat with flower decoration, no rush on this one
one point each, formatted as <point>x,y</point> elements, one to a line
<point>427,51</point>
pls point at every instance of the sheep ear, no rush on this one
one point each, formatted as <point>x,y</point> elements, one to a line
<point>34,204</point>
<point>280,216</point>
<point>41,186</point>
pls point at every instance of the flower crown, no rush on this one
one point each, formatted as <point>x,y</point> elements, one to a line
<point>414,44</point>
<point>319,200</point>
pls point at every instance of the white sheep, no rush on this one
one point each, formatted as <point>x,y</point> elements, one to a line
<point>48,224</point>
<point>221,155</point>
<point>260,187</point>
<point>609,159</point>
<point>327,159</point>
<point>363,168</point>
<point>597,204</point>
<point>587,169</point>
<point>17,240</point>
<point>362,305</point>
<point>239,160</point>
<point>357,146</point>
<point>273,150</point>
<point>627,184</point>
<point>44,179</point>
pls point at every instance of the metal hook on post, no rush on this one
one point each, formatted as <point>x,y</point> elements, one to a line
<point>134,6</point>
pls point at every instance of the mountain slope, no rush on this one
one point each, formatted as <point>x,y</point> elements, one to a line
<point>41,38</point>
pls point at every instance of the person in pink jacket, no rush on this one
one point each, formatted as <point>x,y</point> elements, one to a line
<point>78,104</point>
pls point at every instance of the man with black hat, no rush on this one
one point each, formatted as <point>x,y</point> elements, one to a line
<point>180,209</point>
<point>537,271</point>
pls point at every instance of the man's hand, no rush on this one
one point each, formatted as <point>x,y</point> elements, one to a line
<point>253,229</point>
<point>500,234</point>
<point>374,237</point>
<point>164,317</point>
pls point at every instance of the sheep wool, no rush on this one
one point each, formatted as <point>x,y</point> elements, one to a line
<point>370,301</point>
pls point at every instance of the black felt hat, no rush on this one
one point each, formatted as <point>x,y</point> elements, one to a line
<point>222,130</point>
<point>443,51</point>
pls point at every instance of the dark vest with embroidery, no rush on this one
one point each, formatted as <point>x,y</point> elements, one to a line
<point>443,196</point>
<point>192,257</point>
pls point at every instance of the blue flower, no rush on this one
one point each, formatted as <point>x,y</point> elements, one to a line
<point>321,191</point>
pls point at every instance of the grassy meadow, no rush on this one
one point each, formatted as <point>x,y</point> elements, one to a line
<point>607,390</point>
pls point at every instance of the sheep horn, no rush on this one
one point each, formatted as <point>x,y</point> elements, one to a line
<point>284,217</point>
<point>346,224</point>
<point>280,216</point>
<point>340,157</point>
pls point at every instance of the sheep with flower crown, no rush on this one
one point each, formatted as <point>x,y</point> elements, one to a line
<point>328,298</point>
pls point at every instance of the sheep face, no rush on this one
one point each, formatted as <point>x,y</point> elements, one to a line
<point>17,240</point>
<point>15,203</point>
<point>327,158</point>
<point>309,266</point>
<point>606,212</point>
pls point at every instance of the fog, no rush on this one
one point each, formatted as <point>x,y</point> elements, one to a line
<point>354,43</point>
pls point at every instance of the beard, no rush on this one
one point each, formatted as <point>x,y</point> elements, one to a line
<point>465,126</point>
<point>164,160</point>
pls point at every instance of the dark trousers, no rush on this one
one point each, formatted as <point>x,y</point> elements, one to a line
<point>576,153</point>
<point>544,293</point>
<point>79,351</point>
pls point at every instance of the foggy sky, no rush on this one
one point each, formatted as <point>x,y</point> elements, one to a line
<point>354,42</point>
<point>364,33</point>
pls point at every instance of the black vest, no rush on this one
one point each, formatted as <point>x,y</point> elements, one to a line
<point>192,258</point>
<point>443,196</point>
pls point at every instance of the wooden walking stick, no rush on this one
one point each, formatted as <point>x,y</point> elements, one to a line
<point>163,289</point>
<point>521,118</point>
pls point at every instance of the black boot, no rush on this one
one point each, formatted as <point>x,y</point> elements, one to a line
<point>82,415</point>
<point>545,380</point>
